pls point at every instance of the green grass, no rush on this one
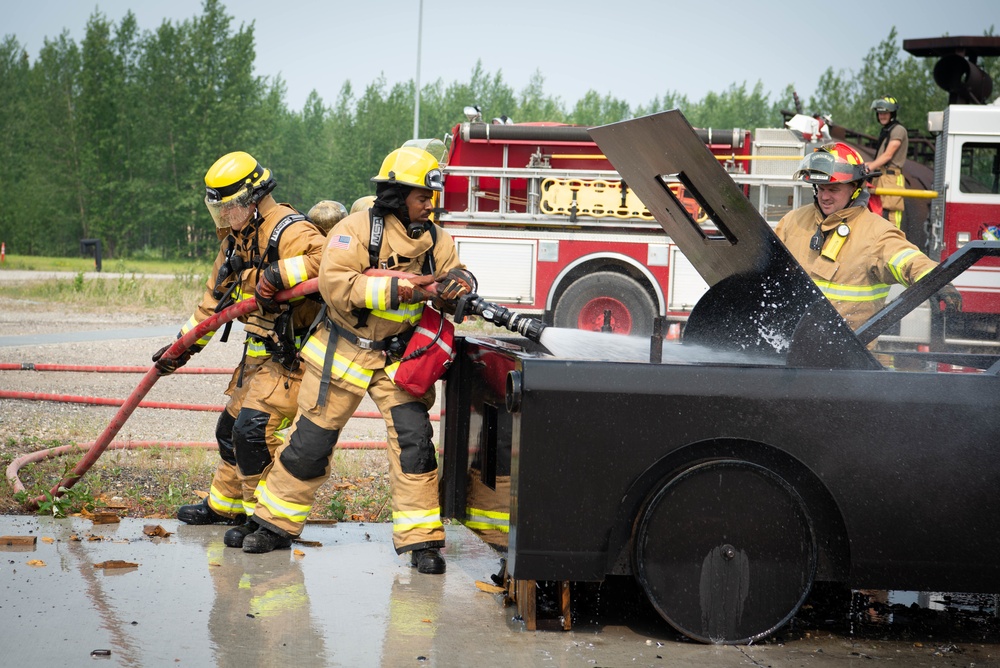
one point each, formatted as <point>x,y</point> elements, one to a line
<point>76,264</point>
<point>132,290</point>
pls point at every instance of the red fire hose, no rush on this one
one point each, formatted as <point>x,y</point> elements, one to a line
<point>134,400</point>
<point>152,375</point>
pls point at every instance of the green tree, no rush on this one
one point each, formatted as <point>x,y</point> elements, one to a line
<point>592,109</point>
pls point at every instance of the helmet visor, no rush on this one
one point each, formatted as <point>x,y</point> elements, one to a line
<point>232,211</point>
<point>823,167</point>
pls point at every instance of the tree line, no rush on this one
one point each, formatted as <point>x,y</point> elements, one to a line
<point>110,138</point>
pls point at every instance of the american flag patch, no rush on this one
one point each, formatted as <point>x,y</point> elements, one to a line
<point>341,241</point>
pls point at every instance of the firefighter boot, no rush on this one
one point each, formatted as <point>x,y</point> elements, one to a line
<point>202,513</point>
<point>428,560</point>
<point>264,540</point>
<point>234,537</point>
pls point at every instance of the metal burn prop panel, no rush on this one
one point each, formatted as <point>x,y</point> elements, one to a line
<point>760,299</point>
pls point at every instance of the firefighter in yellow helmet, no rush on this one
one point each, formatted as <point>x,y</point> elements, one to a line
<point>852,254</point>
<point>355,352</point>
<point>326,213</point>
<point>266,247</point>
<point>890,156</point>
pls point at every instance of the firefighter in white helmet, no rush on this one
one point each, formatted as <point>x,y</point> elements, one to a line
<point>326,213</point>
<point>851,254</point>
<point>266,247</point>
<point>354,353</point>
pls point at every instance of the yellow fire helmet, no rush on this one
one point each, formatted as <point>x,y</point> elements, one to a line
<point>326,213</point>
<point>232,184</point>
<point>411,166</point>
<point>363,203</point>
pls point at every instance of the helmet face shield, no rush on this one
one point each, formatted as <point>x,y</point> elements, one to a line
<point>831,164</point>
<point>233,211</point>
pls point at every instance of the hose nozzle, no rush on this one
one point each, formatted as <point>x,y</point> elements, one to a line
<point>473,304</point>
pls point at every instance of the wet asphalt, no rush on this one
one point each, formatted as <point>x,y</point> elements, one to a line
<point>346,599</point>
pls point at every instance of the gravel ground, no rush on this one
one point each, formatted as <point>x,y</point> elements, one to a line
<point>146,482</point>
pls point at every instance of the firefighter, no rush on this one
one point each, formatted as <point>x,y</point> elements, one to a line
<point>363,203</point>
<point>890,155</point>
<point>354,353</point>
<point>266,247</point>
<point>326,213</point>
<point>853,255</point>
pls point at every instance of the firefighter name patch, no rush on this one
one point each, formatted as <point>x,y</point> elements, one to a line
<point>341,241</point>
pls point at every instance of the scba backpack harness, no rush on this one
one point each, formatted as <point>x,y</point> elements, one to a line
<point>423,355</point>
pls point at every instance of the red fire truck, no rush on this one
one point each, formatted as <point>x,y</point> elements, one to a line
<point>548,226</point>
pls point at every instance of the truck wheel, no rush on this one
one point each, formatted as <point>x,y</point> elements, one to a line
<point>725,551</point>
<point>583,304</point>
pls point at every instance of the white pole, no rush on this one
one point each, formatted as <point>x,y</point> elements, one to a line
<point>416,104</point>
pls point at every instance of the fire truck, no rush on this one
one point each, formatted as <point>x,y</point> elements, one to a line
<point>967,181</point>
<point>551,229</point>
<point>548,226</point>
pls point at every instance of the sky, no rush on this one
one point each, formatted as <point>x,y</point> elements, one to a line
<point>634,50</point>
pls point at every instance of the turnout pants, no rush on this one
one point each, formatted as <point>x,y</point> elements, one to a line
<point>288,490</point>
<point>892,205</point>
<point>259,407</point>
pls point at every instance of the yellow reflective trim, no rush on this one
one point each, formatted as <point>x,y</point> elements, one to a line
<point>295,270</point>
<point>405,313</point>
<point>255,348</point>
<point>853,293</point>
<point>240,296</point>
<point>191,324</point>
<point>294,512</point>
<point>377,292</point>
<point>391,371</point>
<point>406,520</point>
<point>487,519</point>
<point>486,526</point>
<point>315,352</point>
<point>900,260</point>
<point>248,508</point>
<point>222,503</point>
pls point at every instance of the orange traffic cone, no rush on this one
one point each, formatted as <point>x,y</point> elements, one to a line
<point>674,332</point>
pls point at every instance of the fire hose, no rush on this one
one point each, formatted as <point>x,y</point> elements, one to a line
<point>129,405</point>
<point>467,305</point>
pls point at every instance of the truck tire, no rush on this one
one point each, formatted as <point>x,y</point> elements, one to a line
<point>583,304</point>
<point>718,567</point>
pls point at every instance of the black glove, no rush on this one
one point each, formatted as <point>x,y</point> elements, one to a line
<point>167,367</point>
<point>456,283</point>
<point>951,297</point>
<point>268,285</point>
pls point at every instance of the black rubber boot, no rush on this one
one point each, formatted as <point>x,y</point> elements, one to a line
<point>202,513</point>
<point>428,560</point>
<point>234,537</point>
<point>263,540</point>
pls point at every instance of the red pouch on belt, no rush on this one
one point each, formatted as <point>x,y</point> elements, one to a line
<point>428,354</point>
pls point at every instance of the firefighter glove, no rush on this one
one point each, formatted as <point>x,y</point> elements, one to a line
<point>951,298</point>
<point>411,290</point>
<point>456,283</point>
<point>167,366</point>
<point>268,285</point>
